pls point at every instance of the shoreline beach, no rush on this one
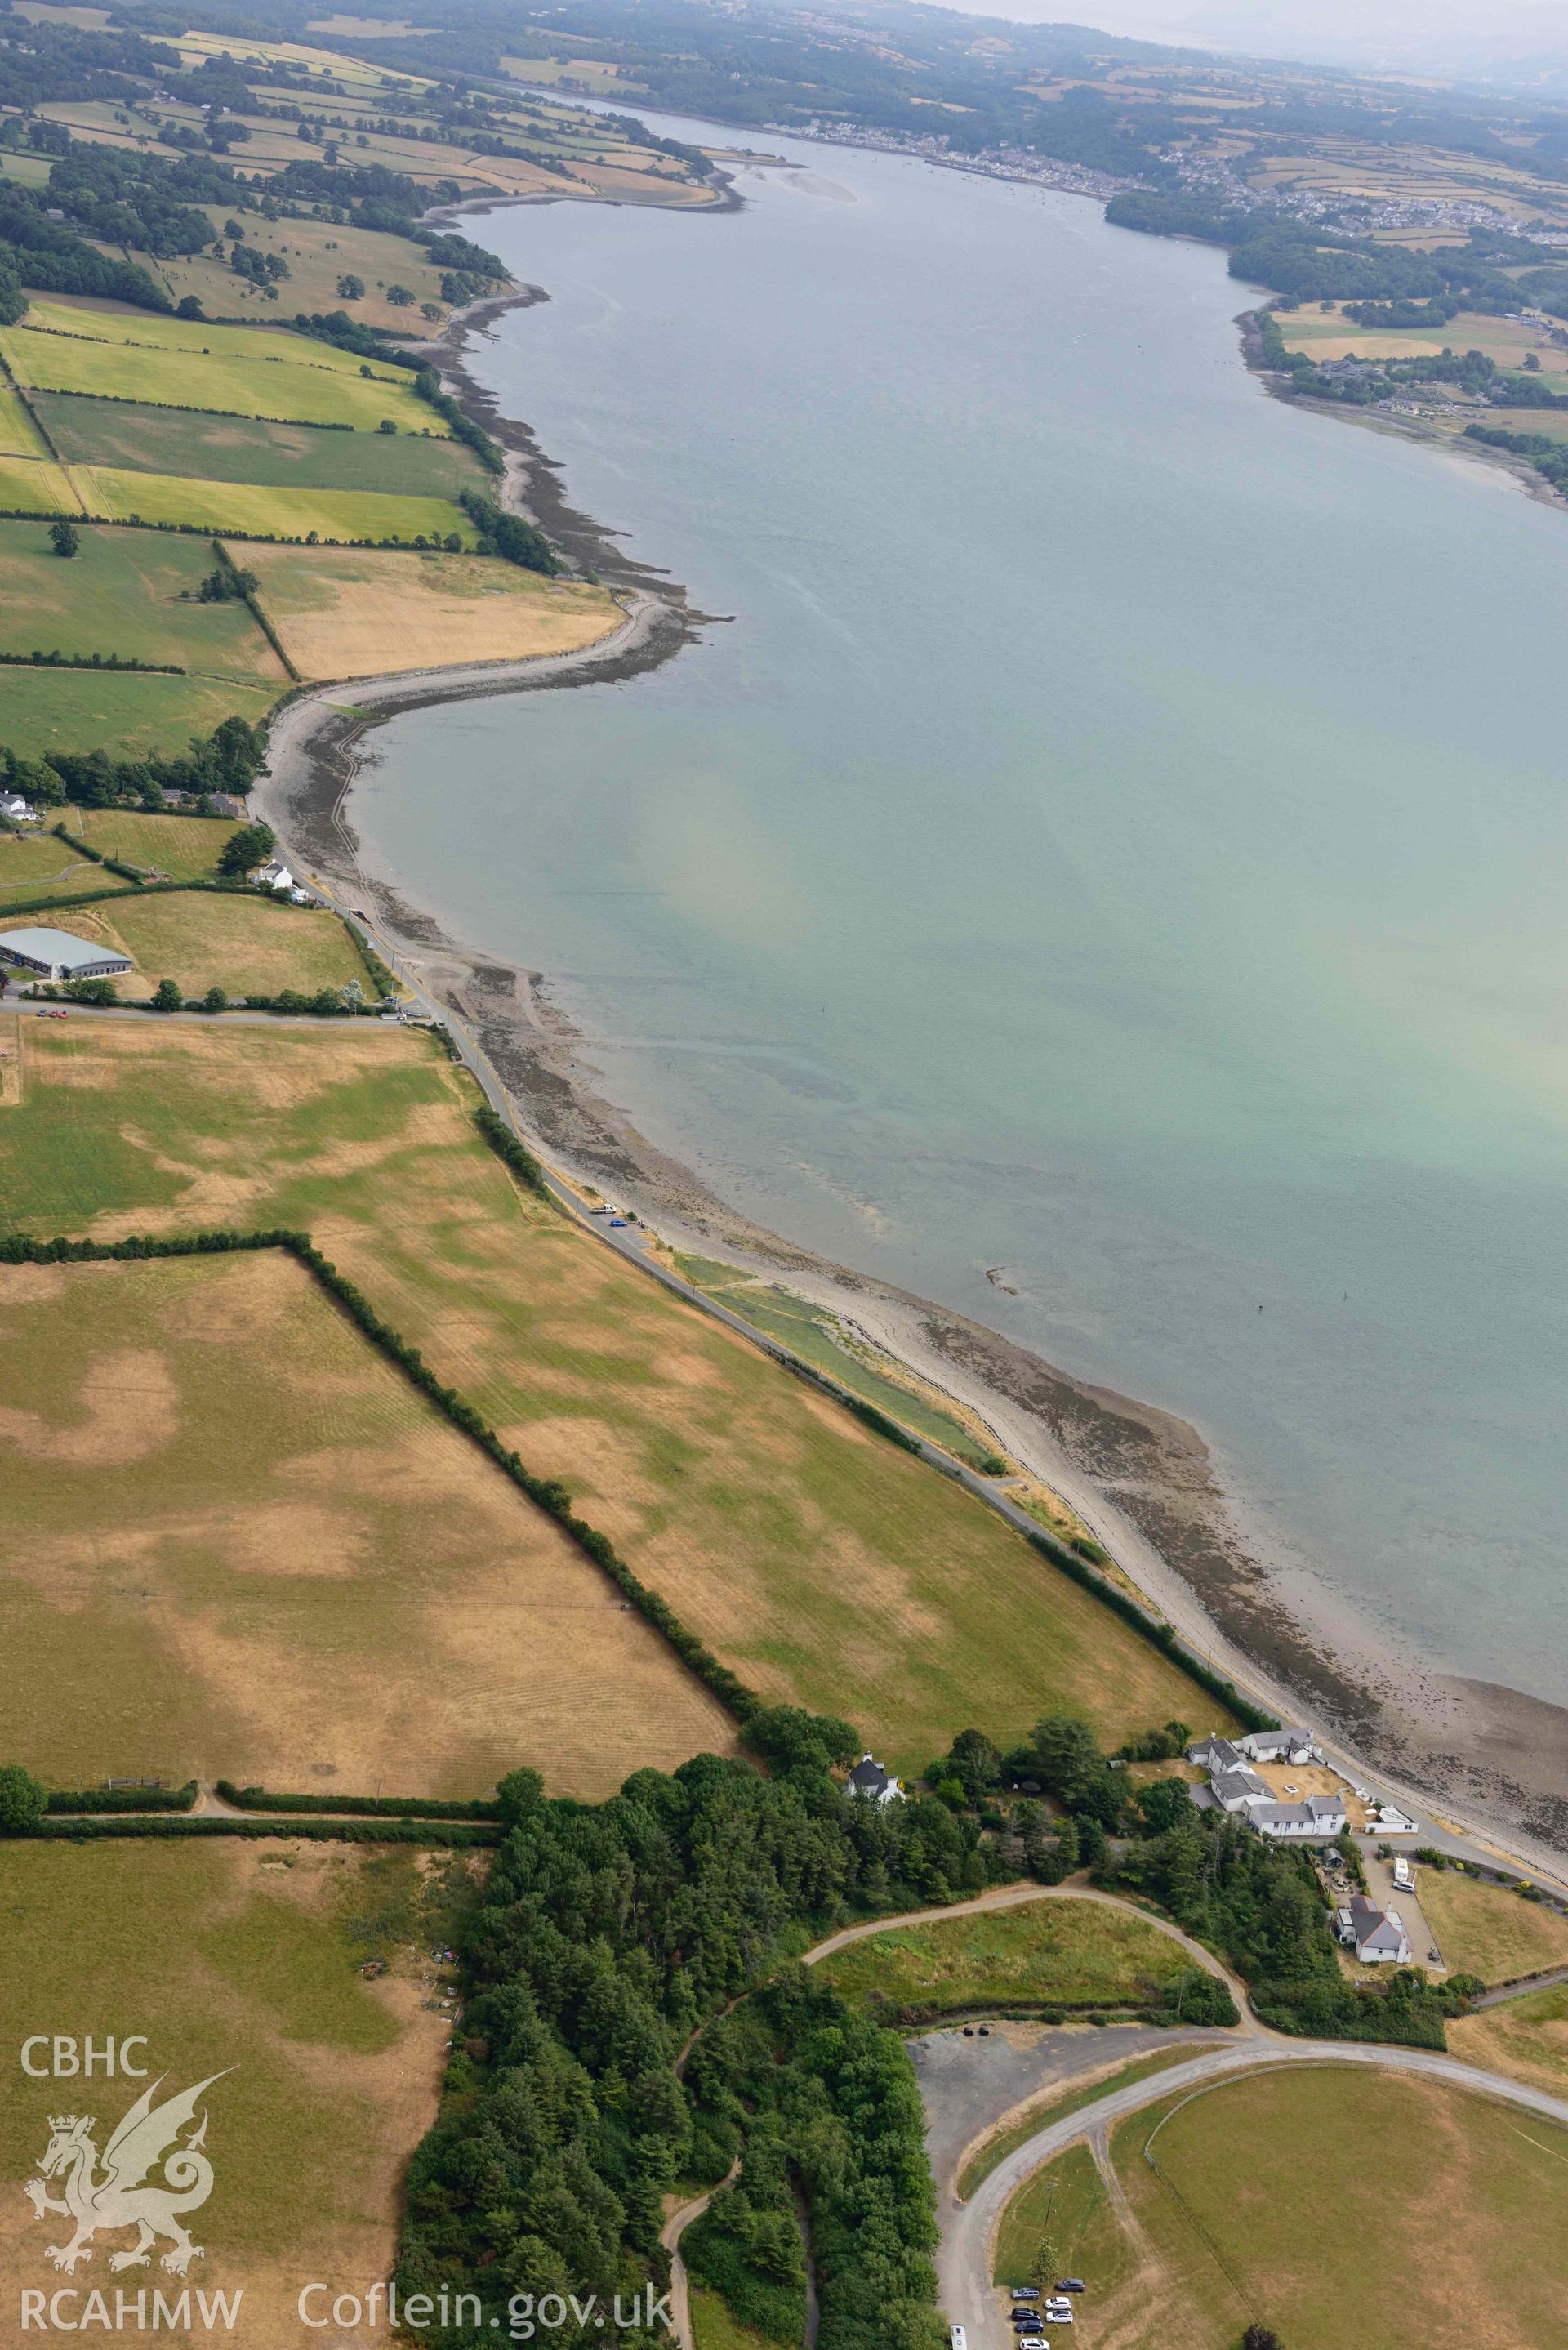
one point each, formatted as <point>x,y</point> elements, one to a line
<point>1143,1480</point>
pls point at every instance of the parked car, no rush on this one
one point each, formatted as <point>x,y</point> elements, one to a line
<point>1024,2292</point>
<point>1062,2316</point>
<point>1032,2342</point>
<point>1069,2285</point>
<point>618,1222</point>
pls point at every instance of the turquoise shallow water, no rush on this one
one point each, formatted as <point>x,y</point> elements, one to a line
<point>1120,837</point>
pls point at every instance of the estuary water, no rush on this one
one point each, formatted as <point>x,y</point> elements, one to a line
<point>1119,838</point>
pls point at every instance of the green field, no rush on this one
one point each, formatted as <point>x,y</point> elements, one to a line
<point>131,716</point>
<point>181,378</point>
<point>19,436</point>
<point>36,865</point>
<point>828,1567</point>
<point>185,848</point>
<point>129,592</point>
<point>809,1331</point>
<point>30,485</point>
<point>254,1549</point>
<point>266,512</point>
<point>1051,1953</point>
<point>238,1961</point>
<point>240,944</point>
<point>716,2327</point>
<point>1301,2193</point>
<point>237,449</point>
<point>111,322</point>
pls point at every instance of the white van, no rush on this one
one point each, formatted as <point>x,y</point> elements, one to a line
<point>1403,1878</point>
<point>957,2339</point>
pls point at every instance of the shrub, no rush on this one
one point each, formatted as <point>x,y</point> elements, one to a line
<point>22,1800</point>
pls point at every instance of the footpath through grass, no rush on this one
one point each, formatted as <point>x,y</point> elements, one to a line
<point>826,1567</point>
<point>1050,1952</point>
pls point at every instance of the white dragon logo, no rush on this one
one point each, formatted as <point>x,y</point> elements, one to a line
<point>141,2140</point>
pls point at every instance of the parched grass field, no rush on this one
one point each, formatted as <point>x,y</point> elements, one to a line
<point>1046,1953</point>
<point>828,1568</point>
<point>285,386</point>
<point>251,1548</point>
<point>1327,335</point>
<point>234,942</point>
<point>241,449</point>
<point>365,612</point>
<point>1486,1931</point>
<point>236,1959</point>
<point>1526,2038</point>
<point>85,709</point>
<point>271,511</point>
<point>121,593</point>
<point>115,322</point>
<point>185,848</point>
<point>1298,2195</point>
<point>35,485</point>
<point>36,865</point>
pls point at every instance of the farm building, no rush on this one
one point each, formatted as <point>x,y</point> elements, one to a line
<point>57,954</point>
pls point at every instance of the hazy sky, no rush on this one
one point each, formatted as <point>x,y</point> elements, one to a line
<point>1437,35</point>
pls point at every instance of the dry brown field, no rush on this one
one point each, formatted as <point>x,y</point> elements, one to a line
<point>826,1567</point>
<point>241,1545</point>
<point>359,612</point>
<point>1489,1931</point>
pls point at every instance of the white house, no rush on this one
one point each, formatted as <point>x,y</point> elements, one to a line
<point>1216,1754</point>
<point>1237,1790</point>
<point>1287,1746</point>
<point>876,1784</point>
<point>1320,1816</point>
<point>275,875</point>
<point>1378,1935</point>
<point>19,810</point>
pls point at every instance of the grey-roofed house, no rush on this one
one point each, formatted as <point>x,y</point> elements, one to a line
<point>1290,1744</point>
<point>58,955</point>
<point>1216,1754</point>
<point>1235,1790</point>
<point>1378,1934</point>
<point>1319,1816</point>
<point>876,1785</point>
